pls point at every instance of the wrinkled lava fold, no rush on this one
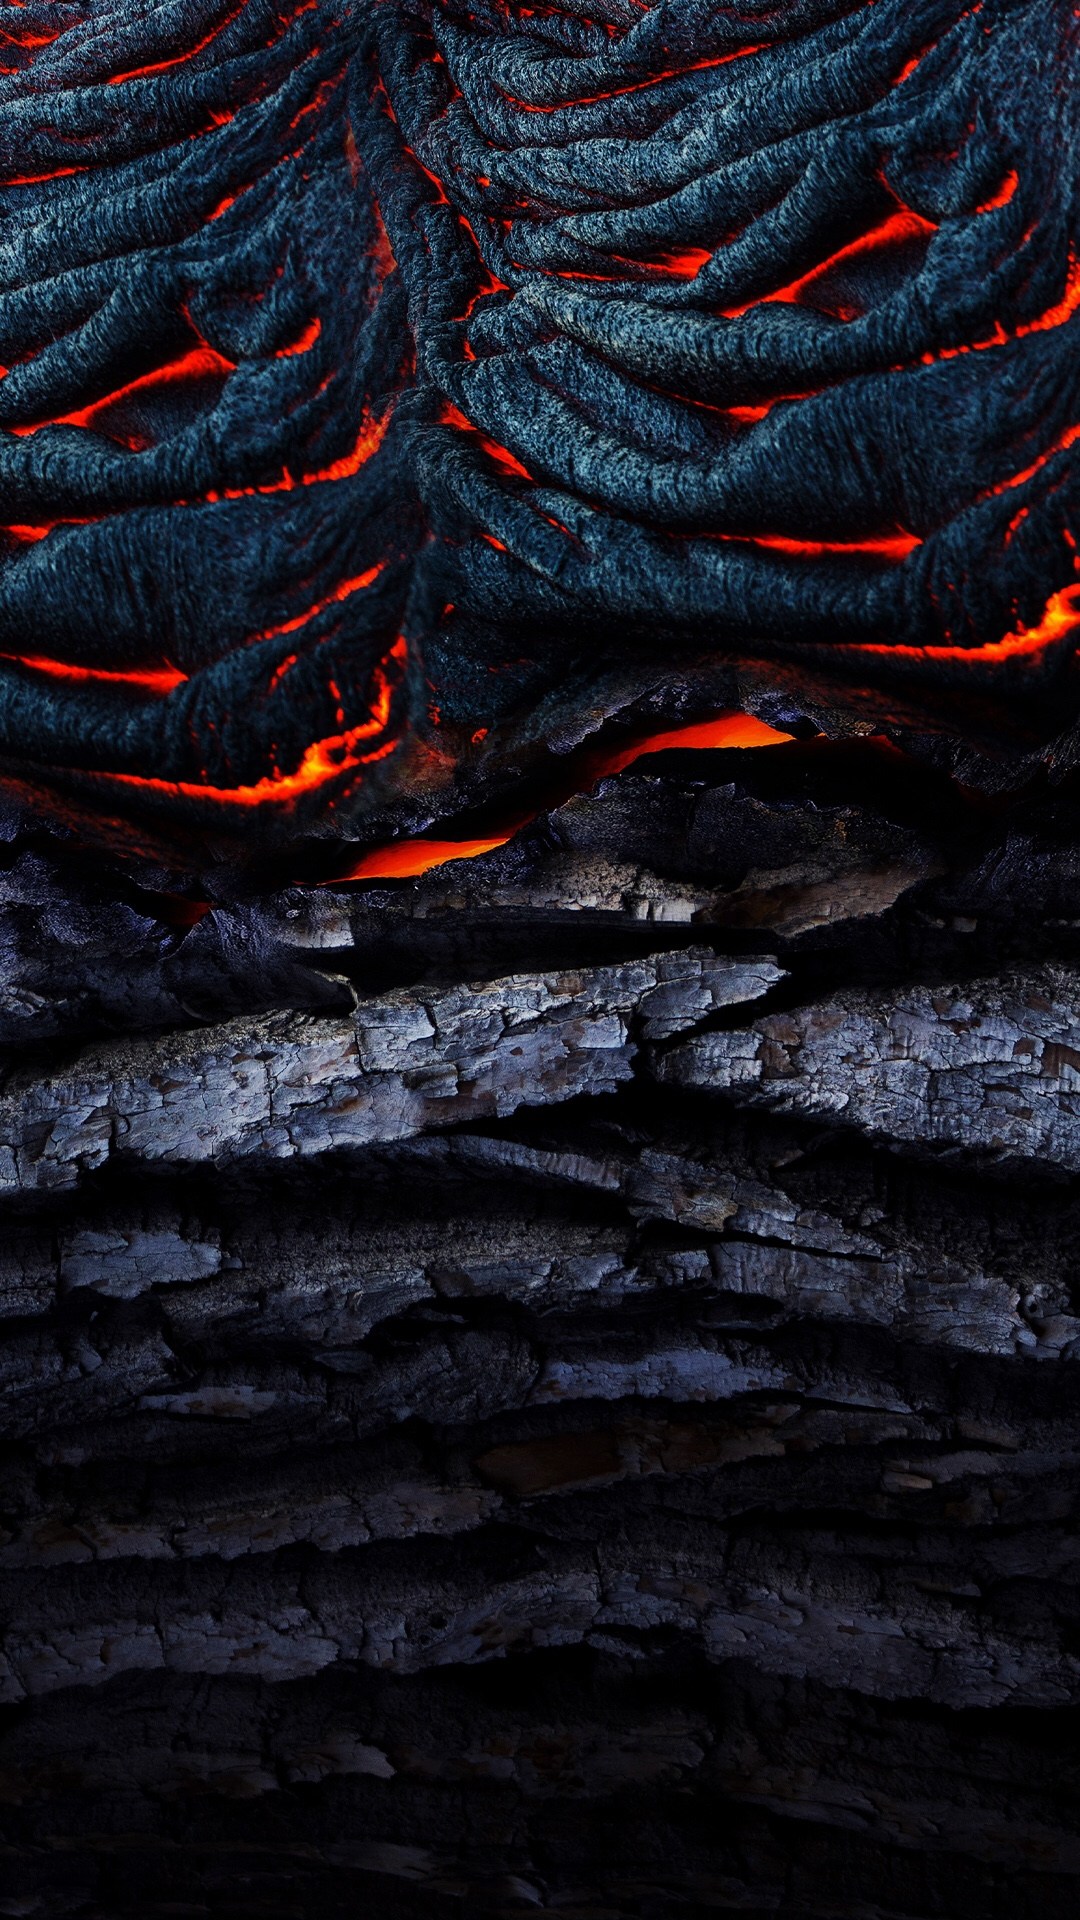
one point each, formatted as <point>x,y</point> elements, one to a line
<point>374,373</point>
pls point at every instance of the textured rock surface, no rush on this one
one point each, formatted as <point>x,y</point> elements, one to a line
<point>991,1068</point>
<point>391,390</point>
<point>554,1385</point>
<point>304,1086</point>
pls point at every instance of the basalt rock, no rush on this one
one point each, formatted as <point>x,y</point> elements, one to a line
<point>597,1436</point>
<point>392,391</point>
<point>539,959</point>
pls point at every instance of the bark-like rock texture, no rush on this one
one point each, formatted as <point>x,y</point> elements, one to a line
<point>552,1386</point>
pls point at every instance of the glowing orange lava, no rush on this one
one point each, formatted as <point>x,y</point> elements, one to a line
<point>1056,316</point>
<point>901,226</point>
<point>408,859</point>
<point>29,534</point>
<point>1005,193</point>
<point>1060,619</point>
<point>305,340</point>
<point>192,365</point>
<point>343,592</point>
<point>178,59</point>
<point>451,416</point>
<point>683,265</point>
<point>369,439</point>
<point>639,86</point>
<point>891,546</point>
<point>727,730</point>
<point>161,679</point>
<point>322,762</point>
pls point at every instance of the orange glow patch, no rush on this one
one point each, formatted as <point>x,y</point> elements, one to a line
<point>1058,315</point>
<point>901,226</point>
<point>28,38</point>
<point>1060,620</point>
<point>451,416</point>
<point>38,532</point>
<point>893,546</point>
<point>149,679</point>
<point>917,59</point>
<point>1055,316</point>
<point>340,593</point>
<point>318,100</point>
<point>39,179</point>
<point>750,415</point>
<point>1005,193</point>
<point>727,730</point>
<point>178,59</point>
<point>191,366</point>
<point>409,859</point>
<point>223,206</point>
<point>910,66</point>
<point>368,441</point>
<point>323,762</point>
<point>382,253</point>
<point>442,198</point>
<point>685,265</point>
<point>1066,440</point>
<point>278,675</point>
<point>301,345</point>
<point>639,86</point>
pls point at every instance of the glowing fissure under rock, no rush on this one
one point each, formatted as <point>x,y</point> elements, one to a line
<point>324,763</point>
<point>407,859</point>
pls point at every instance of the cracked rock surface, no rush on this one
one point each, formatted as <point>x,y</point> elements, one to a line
<point>553,1386</point>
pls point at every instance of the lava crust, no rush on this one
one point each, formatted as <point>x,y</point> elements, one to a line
<point>393,387</point>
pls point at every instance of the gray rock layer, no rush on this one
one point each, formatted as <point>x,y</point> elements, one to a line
<point>554,1387</point>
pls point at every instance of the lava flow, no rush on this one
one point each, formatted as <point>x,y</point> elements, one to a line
<point>354,315</point>
<point>409,858</point>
